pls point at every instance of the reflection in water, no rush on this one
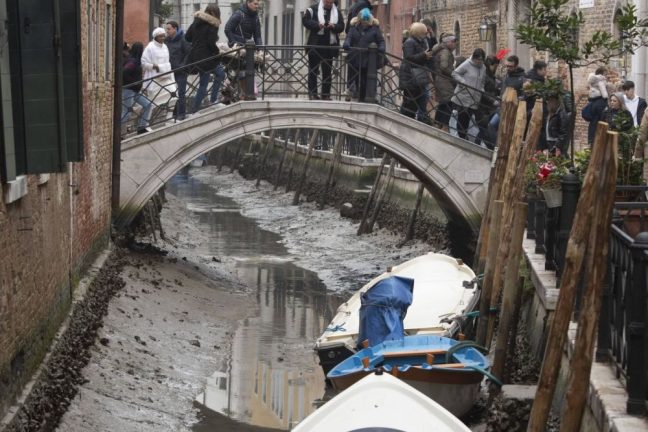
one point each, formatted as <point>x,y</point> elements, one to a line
<point>273,376</point>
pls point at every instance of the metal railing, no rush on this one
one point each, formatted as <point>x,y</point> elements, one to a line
<point>253,72</point>
<point>622,333</point>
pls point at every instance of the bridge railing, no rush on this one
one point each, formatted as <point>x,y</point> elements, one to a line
<point>253,72</point>
<point>623,331</point>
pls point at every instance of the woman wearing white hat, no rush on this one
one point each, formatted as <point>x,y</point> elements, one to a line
<point>155,61</point>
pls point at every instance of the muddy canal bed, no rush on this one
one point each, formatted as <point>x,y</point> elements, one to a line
<point>218,334</point>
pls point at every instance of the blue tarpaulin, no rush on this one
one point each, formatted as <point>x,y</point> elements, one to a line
<point>383,308</point>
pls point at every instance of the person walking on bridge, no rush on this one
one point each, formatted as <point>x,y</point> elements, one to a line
<point>364,32</point>
<point>443,66</point>
<point>416,55</point>
<point>470,77</point>
<point>155,61</point>
<point>178,51</point>
<point>244,25</point>
<point>203,35</point>
<point>325,23</point>
<point>132,86</point>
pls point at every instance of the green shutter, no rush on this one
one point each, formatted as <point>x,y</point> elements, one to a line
<point>40,87</point>
<point>71,59</point>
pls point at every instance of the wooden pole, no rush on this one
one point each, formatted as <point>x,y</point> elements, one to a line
<point>409,231</point>
<point>504,134</point>
<point>501,258</point>
<point>302,177</point>
<point>595,273</point>
<point>573,265</point>
<point>235,161</point>
<point>267,151</point>
<point>381,196</point>
<point>292,161</point>
<point>487,284</point>
<point>372,193</point>
<point>337,152</point>
<point>283,158</point>
<point>510,290</point>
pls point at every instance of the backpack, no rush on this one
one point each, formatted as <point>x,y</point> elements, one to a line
<point>587,113</point>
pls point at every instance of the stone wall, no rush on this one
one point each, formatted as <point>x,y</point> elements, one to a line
<point>49,234</point>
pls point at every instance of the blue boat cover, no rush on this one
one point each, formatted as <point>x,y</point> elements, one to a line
<point>383,308</point>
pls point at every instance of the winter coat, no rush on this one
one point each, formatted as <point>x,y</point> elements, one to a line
<point>354,11</point>
<point>443,66</point>
<point>641,148</point>
<point>178,49</point>
<point>556,130</point>
<point>132,73</point>
<point>203,35</point>
<point>491,93</point>
<point>597,86</point>
<point>514,79</point>
<point>470,78</point>
<point>618,120</point>
<point>641,108</point>
<point>414,55</point>
<point>243,25</point>
<point>323,37</point>
<point>157,54</point>
<point>360,37</point>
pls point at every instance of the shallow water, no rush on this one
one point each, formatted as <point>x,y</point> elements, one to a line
<point>272,378</point>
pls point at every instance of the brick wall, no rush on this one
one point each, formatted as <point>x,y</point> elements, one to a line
<point>48,235</point>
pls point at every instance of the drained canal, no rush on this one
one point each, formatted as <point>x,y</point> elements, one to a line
<point>218,334</point>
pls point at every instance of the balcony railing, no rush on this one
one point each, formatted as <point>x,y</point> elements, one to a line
<point>622,334</point>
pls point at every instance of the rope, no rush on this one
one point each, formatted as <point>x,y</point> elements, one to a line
<point>336,328</point>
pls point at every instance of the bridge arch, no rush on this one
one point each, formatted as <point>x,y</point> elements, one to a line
<point>456,172</point>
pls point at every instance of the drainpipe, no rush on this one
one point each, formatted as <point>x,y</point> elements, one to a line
<point>640,57</point>
<point>117,104</point>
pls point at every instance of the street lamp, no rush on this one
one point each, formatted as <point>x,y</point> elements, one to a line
<point>486,29</point>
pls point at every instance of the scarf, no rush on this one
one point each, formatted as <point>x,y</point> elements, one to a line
<point>333,19</point>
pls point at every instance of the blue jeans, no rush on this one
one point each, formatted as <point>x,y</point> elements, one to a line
<point>421,113</point>
<point>205,77</point>
<point>130,98</point>
<point>181,105</point>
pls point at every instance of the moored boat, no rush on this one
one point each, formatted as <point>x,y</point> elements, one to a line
<point>444,290</point>
<point>381,402</point>
<point>446,370</point>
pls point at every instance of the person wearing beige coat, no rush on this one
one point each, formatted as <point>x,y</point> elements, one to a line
<point>641,147</point>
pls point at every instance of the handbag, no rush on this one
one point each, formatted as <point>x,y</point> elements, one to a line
<point>587,113</point>
<point>420,77</point>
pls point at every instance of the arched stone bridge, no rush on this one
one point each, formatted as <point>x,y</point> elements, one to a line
<point>455,171</point>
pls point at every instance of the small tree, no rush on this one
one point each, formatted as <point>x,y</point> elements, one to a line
<point>552,28</point>
<point>163,9</point>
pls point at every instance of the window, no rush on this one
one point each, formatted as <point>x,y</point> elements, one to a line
<point>196,7</point>
<point>275,26</point>
<point>266,29</point>
<point>457,31</point>
<point>287,34</point>
<point>45,88</point>
<point>108,44</point>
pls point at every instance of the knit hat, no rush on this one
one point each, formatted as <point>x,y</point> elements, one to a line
<point>365,15</point>
<point>158,31</point>
<point>449,38</point>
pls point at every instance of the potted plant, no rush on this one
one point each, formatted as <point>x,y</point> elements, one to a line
<point>544,172</point>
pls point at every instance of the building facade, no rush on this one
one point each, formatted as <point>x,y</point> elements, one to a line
<point>55,164</point>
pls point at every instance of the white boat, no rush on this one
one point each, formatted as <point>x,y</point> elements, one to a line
<point>381,402</point>
<point>444,289</point>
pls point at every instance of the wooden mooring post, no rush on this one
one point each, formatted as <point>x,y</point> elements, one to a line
<point>596,266</point>
<point>510,291</point>
<point>283,158</point>
<point>409,231</point>
<point>381,196</point>
<point>302,177</point>
<point>335,160</point>
<point>576,248</point>
<point>237,155</point>
<point>262,162</point>
<point>504,134</point>
<point>372,193</point>
<point>487,284</point>
<point>293,157</point>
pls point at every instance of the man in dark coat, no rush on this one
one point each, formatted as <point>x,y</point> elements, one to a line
<point>514,75</point>
<point>325,25</point>
<point>244,24</point>
<point>203,34</point>
<point>178,51</point>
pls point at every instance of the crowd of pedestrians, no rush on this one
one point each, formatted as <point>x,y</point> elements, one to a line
<point>463,94</point>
